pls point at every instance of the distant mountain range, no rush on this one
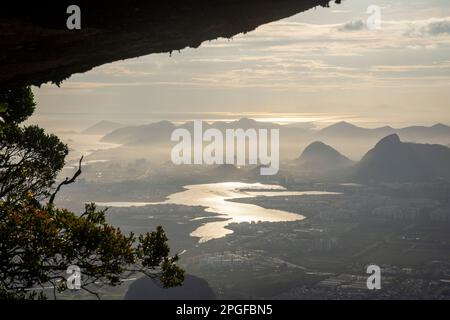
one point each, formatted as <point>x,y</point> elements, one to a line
<point>153,140</point>
<point>354,141</point>
<point>103,127</point>
<point>345,130</point>
<point>139,135</point>
<point>337,131</point>
<point>162,130</point>
<point>394,158</point>
<point>394,161</point>
<point>391,160</point>
<point>321,157</point>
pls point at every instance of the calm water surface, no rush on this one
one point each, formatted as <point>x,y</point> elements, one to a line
<point>214,197</point>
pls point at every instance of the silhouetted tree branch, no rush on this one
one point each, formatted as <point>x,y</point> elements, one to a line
<point>66,182</point>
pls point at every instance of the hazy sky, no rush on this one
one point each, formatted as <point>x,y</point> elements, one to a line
<point>323,64</point>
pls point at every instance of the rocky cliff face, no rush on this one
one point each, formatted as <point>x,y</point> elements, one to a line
<point>36,46</point>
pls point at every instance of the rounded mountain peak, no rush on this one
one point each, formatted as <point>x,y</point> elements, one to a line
<point>392,139</point>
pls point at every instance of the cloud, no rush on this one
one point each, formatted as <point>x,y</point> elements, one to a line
<point>355,25</point>
<point>441,66</point>
<point>431,27</point>
<point>288,55</point>
<point>438,27</point>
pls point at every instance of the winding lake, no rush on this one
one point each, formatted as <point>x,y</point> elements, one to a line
<point>214,197</point>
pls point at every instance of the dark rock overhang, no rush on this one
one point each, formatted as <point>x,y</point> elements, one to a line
<point>36,46</point>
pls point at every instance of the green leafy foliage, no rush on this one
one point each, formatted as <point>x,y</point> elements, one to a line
<point>16,105</point>
<point>39,241</point>
<point>29,162</point>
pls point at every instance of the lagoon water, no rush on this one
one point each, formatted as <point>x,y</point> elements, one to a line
<point>215,198</point>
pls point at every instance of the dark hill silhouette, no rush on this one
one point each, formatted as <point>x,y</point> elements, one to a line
<point>394,161</point>
<point>319,156</point>
<point>193,288</point>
